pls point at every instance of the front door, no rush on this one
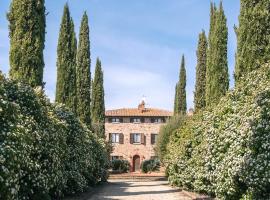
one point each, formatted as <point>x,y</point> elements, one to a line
<point>136,163</point>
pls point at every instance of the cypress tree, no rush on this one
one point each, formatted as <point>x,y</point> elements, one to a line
<point>83,74</point>
<point>176,100</point>
<point>199,96</point>
<point>181,104</point>
<point>253,36</point>
<point>66,63</point>
<point>98,104</point>
<point>217,77</point>
<point>27,23</point>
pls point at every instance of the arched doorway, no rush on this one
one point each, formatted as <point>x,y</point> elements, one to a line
<point>136,163</point>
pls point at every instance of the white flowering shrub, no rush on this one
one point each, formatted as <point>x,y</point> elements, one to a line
<point>45,151</point>
<point>225,151</point>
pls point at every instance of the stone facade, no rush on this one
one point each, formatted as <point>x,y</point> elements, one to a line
<point>120,131</point>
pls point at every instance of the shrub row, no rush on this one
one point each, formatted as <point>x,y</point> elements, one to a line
<point>45,151</point>
<point>225,151</point>
<point>150,165</point>
<point>119,165</point>
<point>165,133</point>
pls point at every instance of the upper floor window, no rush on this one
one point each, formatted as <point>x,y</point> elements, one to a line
<point>157,120</point>
<point>136,120</point>
<point>154,137</point>
<point>115,120</point>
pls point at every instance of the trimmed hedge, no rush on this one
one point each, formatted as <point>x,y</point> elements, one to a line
<point>224,151</point>
<point>165,133</point>
<point>120,165</point>
<point>45,151</point>
<point>150,165</point>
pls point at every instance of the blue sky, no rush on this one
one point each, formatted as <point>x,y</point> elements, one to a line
<point>140,44</point>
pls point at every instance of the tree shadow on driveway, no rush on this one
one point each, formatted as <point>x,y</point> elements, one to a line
<point>136,190</point>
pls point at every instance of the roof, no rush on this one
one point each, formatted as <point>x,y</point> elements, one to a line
<point>135,112</point>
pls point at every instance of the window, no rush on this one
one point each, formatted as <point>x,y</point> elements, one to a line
<point>154,138</point>
<point>154,158</point>
<point>157,120</point>
<point>116,157</point>
<point>137,138</point>
<point>136,120</point>
<point>115,137</point>
<point>115,120</point>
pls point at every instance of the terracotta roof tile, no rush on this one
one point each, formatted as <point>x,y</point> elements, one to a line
<point>147,112</point>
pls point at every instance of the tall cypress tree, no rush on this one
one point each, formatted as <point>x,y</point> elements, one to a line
<point>98,104</point>
<point>217,77</point>
<point>199,95</point>
<point>253,36</point>
<point>175,109</point>
<point>181,104</point>
<point>83,73</point>
<point>66,63</point>
<point>27,25</point>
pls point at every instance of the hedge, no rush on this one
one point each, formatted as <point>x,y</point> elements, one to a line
<point>224,151</point>
<point>45,151</point>
<point>150,165</point>
<point>120,165</point>
<point>164,135</point>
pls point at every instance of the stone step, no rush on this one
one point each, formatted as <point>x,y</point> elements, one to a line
<point>137,176</point>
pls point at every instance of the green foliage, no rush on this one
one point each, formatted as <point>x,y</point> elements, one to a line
<point>180,93</point>
<point>66,63</point>
<point>27,24</point>
<point>199,95</point>
<point>120,165</point>
<point>175,99</point>
<point>165,133</point>
<point>83,76</point>
<point>224,151</point>
<point>150,165</point>
<point>253,36</point>
<point>45,151</point>
<point>98,104</point>
<point>217,77</point>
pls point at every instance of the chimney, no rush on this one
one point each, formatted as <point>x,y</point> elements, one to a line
<point>141,106</point>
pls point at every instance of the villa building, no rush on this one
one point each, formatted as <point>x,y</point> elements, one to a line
<point>133,132</point>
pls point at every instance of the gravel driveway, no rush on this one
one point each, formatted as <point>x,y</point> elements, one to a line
<point>137,190</point>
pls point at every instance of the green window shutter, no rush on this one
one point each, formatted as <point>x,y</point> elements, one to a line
<point>142,138</point>
<point>110,137</point>
<point>121,138</point>
<point>152,138</point>
<point>131,138</point>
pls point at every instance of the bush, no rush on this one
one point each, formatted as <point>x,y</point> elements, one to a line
<point>150,165</point>
<point>224,151</point>
<point>45,151</point>
<point>120,165</point>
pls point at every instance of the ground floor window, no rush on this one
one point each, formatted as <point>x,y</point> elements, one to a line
<point>137,138</point>
<point>154,138</point>
<point>116,157</point>
<point>154,158</point>
<point>115,137</point>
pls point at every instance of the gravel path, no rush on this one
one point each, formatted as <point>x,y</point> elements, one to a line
<point>137,190</point>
